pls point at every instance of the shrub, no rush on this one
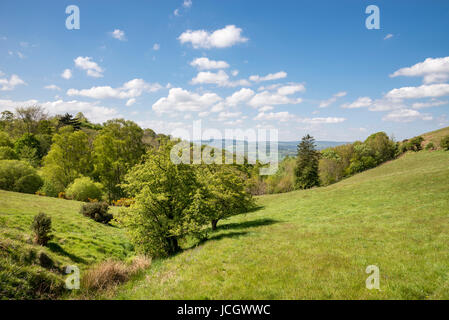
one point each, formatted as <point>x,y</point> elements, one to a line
<point>19,176</point>
<point>41,227</point>
<point>48,189</point>
<point>97,211</point>
<point>83,189</point>
<point>415,144</point>
<point>430,146</point>
<point>8,153</point>
<point>123,202</point>
<point>445,143</point>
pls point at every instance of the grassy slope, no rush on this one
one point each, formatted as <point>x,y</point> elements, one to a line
<point>316,244</point>
<point>435,136</point>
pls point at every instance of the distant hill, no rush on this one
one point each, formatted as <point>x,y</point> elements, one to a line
<point>286,148</point>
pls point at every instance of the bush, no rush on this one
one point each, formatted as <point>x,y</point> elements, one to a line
<point>97,211</point>
<point>445,143</point>
<point>41,227</point>
<point>430,146</point>
<point>83,189</point>
<point>48,189</point>
<point>19,176</point>
<point>415,144</point>
<point>8,153</point>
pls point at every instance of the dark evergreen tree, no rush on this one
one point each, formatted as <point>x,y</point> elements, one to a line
<point>306,171</point>
<point>69,120</point>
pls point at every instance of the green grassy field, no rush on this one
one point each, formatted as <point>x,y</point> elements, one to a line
<point>316,244</point>
<point>311,244</point>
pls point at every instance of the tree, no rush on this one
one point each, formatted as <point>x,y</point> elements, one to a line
<point>68,158</point>
<point>41,227</point>
<point>444,143</point>
<point>28,149</point>
<point>225,193</point>
<point>306,171</point>
<point>167,204</point>
<point>117,148</point>
<point>69,120</point>
<point>29,118</point>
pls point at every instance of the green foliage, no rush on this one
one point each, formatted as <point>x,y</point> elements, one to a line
<point>444,143</point>
<point>8,153</point>
<point>414,144</point>
<point>69,120</point>
<point>168,199</point>
<point>83,189</point>
<point>383,148</point>
<point>27,145</point>
<point>69,157</point>
<point>97,211</point>
<point>284,179</point>
<point>306,171</point>
<point>48,189</point>
<point>5,141</point>
<point>41,228</point>
<point>117,148</point>
<point>223,193</point>
<point>19,176</point>
<point>430,146</point>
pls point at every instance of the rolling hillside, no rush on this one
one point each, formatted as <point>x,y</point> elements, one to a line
<point>316,244</point>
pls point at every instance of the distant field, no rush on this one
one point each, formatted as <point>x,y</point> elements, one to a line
<point>316,244</point>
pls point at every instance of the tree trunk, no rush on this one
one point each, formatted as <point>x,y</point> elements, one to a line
<point>173,245</point>
<point>214,224</point>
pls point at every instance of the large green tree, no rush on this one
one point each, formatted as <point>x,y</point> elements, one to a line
<point>68,158</point>
<point>168,203</point>
<point>117,148</point>
<point>306,171</point>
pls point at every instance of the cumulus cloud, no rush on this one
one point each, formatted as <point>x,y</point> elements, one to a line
<point>269,77</point>
<point>280,116</point>
<point>179,99</point>
<point>406,115</point>
<point>219,78</point>
<point>91,67</point>
<point>221,38</point>
<point>428,104</point>
<point>388,36</point>
<point>328,102</point>
<point>131,89</point>
<point>206,64</point>
<point>291,89</point>
<point>266,98</point>
<point>118,34</point>
<point>130,102</point>
<point>361,102</point>
<point>10,84</point>
<point>424,91</point>
<point>226,115</point>
<point>66,74</point>
<point>156,46</point>
<point>433,70</point>
<point>239,97</point>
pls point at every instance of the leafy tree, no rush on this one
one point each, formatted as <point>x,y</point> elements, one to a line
<point>445,143</point>
<point>117,148</point>
<point>83,189</point>
<point>8,153</point>
<point>19,176</point>
<point>30,117</point>
<point>168,200</point>
<point>225,193</point>
<point>69,157</point>
<point>5,141</point>
<point>69,120</point>
<point>306,171</point>
<point>383,147</point>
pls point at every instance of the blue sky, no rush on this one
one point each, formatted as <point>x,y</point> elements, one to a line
<point>297,66</point>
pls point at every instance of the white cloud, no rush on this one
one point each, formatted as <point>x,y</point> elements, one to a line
<point>361,102</point>
<point>187,3</point>
<point>92,68</point>
<point>280,116</point>
<point>118,34</point>
<point>428,104</point>
<point>225,115</point>
<point>156,46</point>
<point>206,64</point>
<point>219,78</point>
<point>20,55</point>
<point>266,98</point>
<point>266,108</point>
<point>10,84</point>
<point>131,89</point>
<point>176,12</point>
<point>240,96</point>
<point>269,77</point>
<point>66,74</point>
<point>424,91</point>
<point>433,70</point>
<point>222,38</point>
<point>389,36</point>
<point>130,102</point>
<point>179,99</point>
<point>406,115</point>
<point>235,73</point>
<point>52,87</point>
<point>327,120</point>
<point>291,89</point>
<point>328,102</point>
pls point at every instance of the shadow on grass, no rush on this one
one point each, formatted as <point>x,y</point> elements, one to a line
<point>247,224</point>
<point>56,248</point>
<point>226,235</point>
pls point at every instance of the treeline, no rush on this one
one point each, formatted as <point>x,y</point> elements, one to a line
<point>311,168</point>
